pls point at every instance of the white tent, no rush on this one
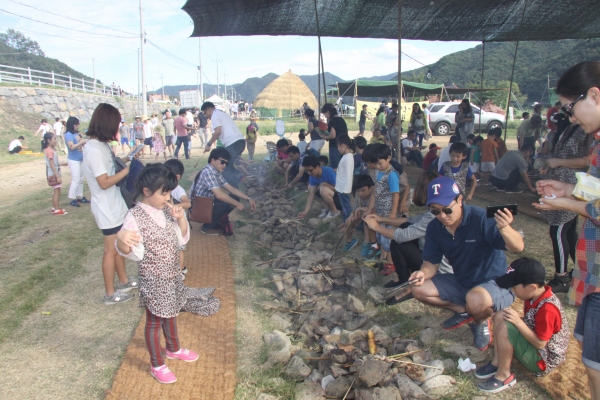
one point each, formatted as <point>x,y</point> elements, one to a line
<point>215,99</point>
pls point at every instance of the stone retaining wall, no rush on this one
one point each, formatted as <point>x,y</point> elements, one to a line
<point>52,103</point>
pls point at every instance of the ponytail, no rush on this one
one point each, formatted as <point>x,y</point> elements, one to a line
<point>345,139</point>
<point>46,140</point>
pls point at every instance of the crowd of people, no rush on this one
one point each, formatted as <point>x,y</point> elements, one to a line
<point>451,256</point>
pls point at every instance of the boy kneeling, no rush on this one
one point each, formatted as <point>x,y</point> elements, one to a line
<point>539,341</point>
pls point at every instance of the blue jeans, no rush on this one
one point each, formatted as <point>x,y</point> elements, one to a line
<point>232,175</point>
<point>186,149</point>
<point>346,206</point>
<point>587,330</point>
<point>334,155</point>
<point>421,136</point>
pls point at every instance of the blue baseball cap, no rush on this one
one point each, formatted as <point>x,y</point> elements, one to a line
<point>442,191</point>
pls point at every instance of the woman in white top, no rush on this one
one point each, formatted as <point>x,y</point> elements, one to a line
<point>108,206</point>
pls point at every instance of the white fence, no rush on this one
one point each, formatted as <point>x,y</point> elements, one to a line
<point>28,76</point>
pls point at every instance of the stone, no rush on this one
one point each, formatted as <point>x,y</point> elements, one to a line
<point>386,393</point>
<point>314,222</point>
<point>278,282</point>
<point>351,337</point>
<point>247,229</point>
<point>315,376</point>
<point>309,390</point>
<point>337,371</point>
<point>278,357</point>
<point>322,330</point>
<point>277,340</point>
<point>377,294</point>
<point>19,93</point>
<point>338,356</point>
<point>266,239</point>
<point>280,322</point>
<point>367,277</point>
<point>356,322</point>
<point>470,352</point>
<point>418,356</point>
<point>5,92</point>
<point>288,245</point>
<point>371,371</point>
<point>399,345</point>
<point>428,336</point>
<point>449,364</point>
<point>338,388</point>
<point>408,389</point>
<point>297,370</point>
<point>381,337</point>
<point>439,385</point>
<point>276,381</point>
<point>415,372</point>
<point>38,109</point>
<point>280,213</point>
<point>355,305</point>
<point>432,372</point>
<point>332,338</point>
<point>304,355</point>
<point>264,396</point>
<point>311,284</point>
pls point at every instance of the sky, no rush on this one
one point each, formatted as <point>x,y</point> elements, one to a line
<point>102,37</point>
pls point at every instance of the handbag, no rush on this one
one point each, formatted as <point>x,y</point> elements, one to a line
<point>122,184</point>
<point>202,207</point>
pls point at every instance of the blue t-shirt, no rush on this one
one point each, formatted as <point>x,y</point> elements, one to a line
<point>393,181</point>
<point>328,176</point>
<point>476,251</point>
<point>74,155</point>
<point>456,170</point>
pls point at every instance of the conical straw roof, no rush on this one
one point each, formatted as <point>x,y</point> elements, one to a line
<point>287,92</point>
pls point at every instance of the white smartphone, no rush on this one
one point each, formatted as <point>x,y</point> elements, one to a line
<point>135,151</point>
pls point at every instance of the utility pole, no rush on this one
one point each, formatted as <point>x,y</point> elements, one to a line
<point>200,71</point>
<point>163,84</point>
<point>138,91</point>
<point>94,69</point>
<point>218,88</point>
<point>142,41</point>
<point>225,83</point>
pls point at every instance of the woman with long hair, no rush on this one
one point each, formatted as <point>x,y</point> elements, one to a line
<point>108,206</point>
<point>579,94</point>
<point>74,159</point>
<point>465,119</point>
<point>418,122</point>
<point>336,126</point>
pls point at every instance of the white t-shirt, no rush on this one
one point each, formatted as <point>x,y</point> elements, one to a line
<point>45,128</point>
<point>13,144</point>
<point>189,118</point>
<point>148,130</point>
<point>344,174</point>
<point>230,133</point>
<point>58,128</point>
<point>178,193</point>
<point>154,121</point>
<point>444,155</point>
<point>235,107</point>
<point>406,143</point>
<point>302,146</point>
<point>108,206</point>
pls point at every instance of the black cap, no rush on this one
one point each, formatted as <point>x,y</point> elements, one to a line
<point>524,271</point>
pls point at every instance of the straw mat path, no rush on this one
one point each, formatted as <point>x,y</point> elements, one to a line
<point>212,376</point>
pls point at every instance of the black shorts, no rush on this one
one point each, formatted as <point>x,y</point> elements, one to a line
<point>294,172</point>
<point>111,231</point>
<point>148,142</point>
<point>336,199</point>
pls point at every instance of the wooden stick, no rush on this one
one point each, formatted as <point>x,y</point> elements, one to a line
<point>280,308</point>
<point>348,391</point>
<point>412,363</point>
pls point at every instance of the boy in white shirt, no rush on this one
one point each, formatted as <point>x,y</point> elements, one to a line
<point>344,175</point>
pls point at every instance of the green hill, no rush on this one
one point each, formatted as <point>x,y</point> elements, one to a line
<point>536,61</point>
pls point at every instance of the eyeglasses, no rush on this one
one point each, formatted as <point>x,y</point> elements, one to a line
<point>223,162</point>
<point>568,108</point>
<point>445,210</point>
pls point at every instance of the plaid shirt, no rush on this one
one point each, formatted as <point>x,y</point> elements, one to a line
<point>586,274</point>
<point>209,179</point>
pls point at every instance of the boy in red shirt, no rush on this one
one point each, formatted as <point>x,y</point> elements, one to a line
<point>489,156</point>
<point>430,156</point>
<point>539,340</point>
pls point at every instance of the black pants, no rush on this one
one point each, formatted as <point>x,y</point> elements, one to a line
<point>416,156</point>
<point>16,150</point>
<point>507,184</point>
<point>564,240</point>
<point>235,150</point>
<point>407,257</point>
<point>186,149</point>
<point>220,208</point>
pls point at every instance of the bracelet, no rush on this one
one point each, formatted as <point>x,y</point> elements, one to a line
<point>249,198</point>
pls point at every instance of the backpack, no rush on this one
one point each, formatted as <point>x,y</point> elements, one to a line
<point>225,226</point>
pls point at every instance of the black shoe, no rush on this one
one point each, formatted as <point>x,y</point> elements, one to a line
<point>393,300</point>
<point>560,284</point>
<point>391,284</point>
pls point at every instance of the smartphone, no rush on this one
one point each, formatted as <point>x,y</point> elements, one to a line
<point>492,210</point>
<point>135,151</point>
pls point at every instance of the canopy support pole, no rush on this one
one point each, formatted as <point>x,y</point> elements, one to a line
<point>481,89</point>
<point>512,74</point>
<point>319,85</point>
<point>320,53</point>
<point>399,144</point>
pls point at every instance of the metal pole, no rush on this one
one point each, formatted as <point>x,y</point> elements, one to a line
<point>322,66</point>
<point>319,84</point>
<point>481,91</point>
<point>513,70</point>
<point>398,146</point>
<point>162,78</point>
<point>200,70</point>
<point>138,91</point>
<point>142,40</point>
<point>218,87</point>
<point>94,69</point>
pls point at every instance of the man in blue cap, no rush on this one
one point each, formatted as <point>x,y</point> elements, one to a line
<point>474,245</point>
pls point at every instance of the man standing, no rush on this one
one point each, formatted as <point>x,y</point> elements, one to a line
<point>181,128</point>
<point>474,245</point>
<point>138,130</point>
<point>58,131</point>
<point>224,128</point>
<point>169,126</point>
<point>512,169</point>
<point>210,183</point>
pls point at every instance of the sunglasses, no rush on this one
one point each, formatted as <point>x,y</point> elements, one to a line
<point>568,108</point>
<point>445,210</point>
<point>223,162</point>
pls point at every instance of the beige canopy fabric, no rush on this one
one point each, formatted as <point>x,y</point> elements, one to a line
<point>283,95</point>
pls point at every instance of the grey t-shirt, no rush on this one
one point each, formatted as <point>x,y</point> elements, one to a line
<point>168,123</point>
<point>507,164</point>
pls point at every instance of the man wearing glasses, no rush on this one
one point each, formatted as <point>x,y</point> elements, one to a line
<point>474,245</point>
<point>210,183</point>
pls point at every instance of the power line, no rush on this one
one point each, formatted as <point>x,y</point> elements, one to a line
<point>171,54</point>
<point>70,18</point>
<point>176,11</point>
<point>71,29</point>
<point>164,27</point>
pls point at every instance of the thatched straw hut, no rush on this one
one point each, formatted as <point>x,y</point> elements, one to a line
<point>284,95</point>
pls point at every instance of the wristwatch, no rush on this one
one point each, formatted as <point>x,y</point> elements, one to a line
<point>249,198</point>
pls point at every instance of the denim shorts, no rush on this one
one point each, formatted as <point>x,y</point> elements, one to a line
<point>587,330</point>
<point>346,206</point>
<point>385,242</point>
<point>450,289</point>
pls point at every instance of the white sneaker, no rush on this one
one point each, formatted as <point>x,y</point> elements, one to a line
<point>331,216</point>
<point>323,214</point>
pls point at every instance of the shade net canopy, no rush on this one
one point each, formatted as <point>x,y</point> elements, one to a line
<point>390,88</point>
<point>446,20</point>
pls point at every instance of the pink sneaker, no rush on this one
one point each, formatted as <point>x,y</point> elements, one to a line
<point>183,354</point>
<point>163,374</point>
